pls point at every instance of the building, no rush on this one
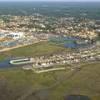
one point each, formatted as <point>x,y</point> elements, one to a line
<point>16,35</point>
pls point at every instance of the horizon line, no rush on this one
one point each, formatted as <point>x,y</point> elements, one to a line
<point>47,1</point>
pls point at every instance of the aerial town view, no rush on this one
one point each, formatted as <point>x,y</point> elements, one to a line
<point>49,50</point>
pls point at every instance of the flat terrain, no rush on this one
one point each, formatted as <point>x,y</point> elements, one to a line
<point>84,82</point>
<point>38,49</point>
<point>18,84</point>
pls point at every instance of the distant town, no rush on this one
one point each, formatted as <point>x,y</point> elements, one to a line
<point>49,50</point>
<point>19,31</point>
<point>25,30</point>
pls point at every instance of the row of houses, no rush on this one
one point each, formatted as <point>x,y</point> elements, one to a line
<point>61,59</point>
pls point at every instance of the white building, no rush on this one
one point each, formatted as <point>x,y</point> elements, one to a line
<point>16,35</point>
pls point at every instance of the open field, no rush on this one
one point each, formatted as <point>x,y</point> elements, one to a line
<point>38,49</point>
<point>18,84</point>
<point>85,82</point>
<point>2,57</point>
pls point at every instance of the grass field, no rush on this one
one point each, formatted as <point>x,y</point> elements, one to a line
<point>2,57</point>
<point>38,49</point>
<point>84,82</point>
<point>19,82</point>
<point>16,83</point>
<point>56,84</point>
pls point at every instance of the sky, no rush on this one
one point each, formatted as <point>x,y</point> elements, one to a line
<point>56,0</point>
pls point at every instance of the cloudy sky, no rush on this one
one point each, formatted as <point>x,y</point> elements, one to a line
<point>55,0</point>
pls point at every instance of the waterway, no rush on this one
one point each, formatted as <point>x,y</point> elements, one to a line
<point>5,64</point>
<point>70,42</point>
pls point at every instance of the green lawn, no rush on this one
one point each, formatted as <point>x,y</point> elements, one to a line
<point>38,49</point>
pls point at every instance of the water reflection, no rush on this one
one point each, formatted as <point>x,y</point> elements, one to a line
<point>5,64</point>
<point>77,97</point>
